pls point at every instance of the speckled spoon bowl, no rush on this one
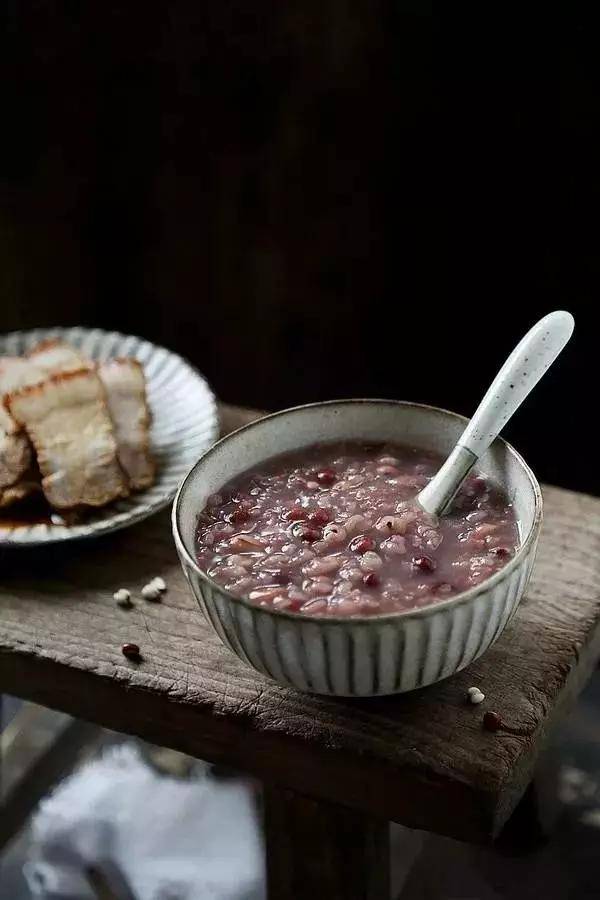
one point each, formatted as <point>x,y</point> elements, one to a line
<point>530,359</point>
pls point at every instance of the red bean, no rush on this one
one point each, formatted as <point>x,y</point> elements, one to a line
<point>295,514</point>
<point>362,544</point>
<point>492,721</point>
<point>500,552</point>
<point>326,476</point>
<point>131,651</point>
<point>371,579</point>
<point>238,516</point>
<point>319,517</point>
<point>305,532</point>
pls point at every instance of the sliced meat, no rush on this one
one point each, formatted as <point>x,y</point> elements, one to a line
<point>17,372</point>
<point>23,488</point>
<point>67,421</point>
<point>125,387</point>
<point>15,450</point>
<point>8,425</point>
<point>55,355</point>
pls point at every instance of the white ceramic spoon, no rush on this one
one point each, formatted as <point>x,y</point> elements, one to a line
<point>517,377</point>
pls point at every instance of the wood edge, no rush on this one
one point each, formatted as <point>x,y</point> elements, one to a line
<point>512,789</point>
<point>400,794</point>
<point>233,417</point>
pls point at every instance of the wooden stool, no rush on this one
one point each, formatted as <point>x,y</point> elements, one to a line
<point>335,771</point>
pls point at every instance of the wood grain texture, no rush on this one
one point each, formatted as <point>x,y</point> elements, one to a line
<point>422,759</point>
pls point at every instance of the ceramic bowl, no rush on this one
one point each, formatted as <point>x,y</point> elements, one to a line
<point>375,655</point>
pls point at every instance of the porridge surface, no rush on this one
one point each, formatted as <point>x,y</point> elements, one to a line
<point>333,530</point>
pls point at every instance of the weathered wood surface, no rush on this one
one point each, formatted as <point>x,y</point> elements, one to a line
<point>422,759</point>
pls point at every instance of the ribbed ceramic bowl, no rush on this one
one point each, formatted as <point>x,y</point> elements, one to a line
<point>370,656</point>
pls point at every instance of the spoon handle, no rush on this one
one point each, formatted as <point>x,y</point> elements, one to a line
<point>517,377</point>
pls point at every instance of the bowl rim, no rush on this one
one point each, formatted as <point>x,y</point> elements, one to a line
<point>375,618</point>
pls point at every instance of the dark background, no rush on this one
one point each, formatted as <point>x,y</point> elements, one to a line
<point>312,199</point>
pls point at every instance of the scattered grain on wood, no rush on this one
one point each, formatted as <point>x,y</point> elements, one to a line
<point>131,651</point>
<point>492,721</point>
<point>150,592</point>
<point>123,598</point>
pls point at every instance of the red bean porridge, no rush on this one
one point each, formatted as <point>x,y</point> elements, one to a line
<point>334,530</point>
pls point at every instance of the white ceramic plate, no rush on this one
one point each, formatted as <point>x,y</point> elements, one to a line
<point>184,424</point>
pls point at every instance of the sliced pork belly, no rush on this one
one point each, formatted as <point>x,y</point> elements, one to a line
<point>67,421</point>
<point>125,387</point>
<point>15,450</point>
<point>17,372</point>
<point>55,355</point>
<point>27,484</point>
